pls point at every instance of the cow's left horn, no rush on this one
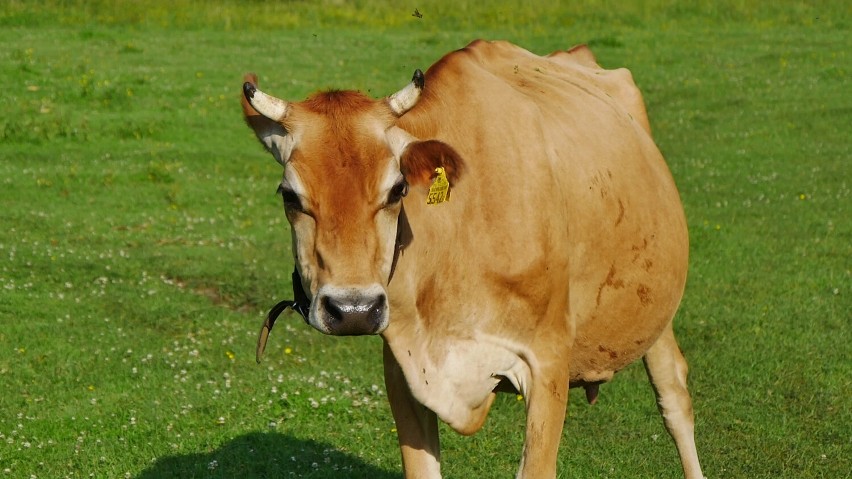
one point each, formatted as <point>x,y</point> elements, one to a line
<point>273,108</point>
<point>405,99</point>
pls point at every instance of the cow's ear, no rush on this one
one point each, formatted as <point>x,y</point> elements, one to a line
<point>271,134</point>
<point>420,159</point>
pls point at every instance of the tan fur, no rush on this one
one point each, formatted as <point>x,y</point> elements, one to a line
<point>561,257</point>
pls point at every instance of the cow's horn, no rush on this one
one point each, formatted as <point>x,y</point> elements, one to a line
<point>273,108</point>
<point>405,99</point>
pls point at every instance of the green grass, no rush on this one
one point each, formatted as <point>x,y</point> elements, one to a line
<point>141,241</point>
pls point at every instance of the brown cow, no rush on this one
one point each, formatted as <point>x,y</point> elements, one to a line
<point>559,259</point>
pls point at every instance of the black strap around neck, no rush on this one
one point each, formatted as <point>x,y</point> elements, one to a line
<point>301,305</point>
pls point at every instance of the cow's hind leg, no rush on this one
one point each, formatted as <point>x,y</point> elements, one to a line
<point>667,371</point>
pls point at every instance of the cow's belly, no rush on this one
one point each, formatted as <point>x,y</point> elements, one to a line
<point>598,353</point>
<point>621,307</point>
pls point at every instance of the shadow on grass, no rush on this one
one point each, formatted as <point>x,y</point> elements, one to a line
<point>266,455</point>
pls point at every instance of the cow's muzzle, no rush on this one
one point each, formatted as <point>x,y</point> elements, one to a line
<point>350,311</point>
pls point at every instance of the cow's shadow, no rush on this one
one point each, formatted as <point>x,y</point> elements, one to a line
<point>266,455</point>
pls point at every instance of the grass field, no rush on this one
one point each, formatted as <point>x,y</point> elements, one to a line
<point>141,241</point>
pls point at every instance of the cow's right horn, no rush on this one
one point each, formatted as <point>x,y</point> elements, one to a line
<point>405,99</point>
<point>273,108</point>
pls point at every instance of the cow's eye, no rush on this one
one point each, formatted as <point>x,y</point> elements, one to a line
<point>398,191</point>
<point>291,199</point>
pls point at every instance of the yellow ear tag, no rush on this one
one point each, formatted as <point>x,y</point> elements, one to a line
<point>439,192</point>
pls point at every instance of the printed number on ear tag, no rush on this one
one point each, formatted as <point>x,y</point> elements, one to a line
<point>439,192</point>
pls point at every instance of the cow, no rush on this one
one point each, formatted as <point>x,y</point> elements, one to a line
<point>505,222</point>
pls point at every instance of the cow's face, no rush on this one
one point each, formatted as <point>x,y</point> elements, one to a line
<point>347,168</point>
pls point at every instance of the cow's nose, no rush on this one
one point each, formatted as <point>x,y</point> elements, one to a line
<point>349,313</point>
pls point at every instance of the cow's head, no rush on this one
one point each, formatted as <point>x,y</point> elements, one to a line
<point>347,168</point>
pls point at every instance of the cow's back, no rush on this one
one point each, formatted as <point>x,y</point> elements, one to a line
<point>563,189</point>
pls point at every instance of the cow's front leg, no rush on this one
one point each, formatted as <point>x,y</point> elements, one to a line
<point>416,425</point>
<point>546,403</point>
